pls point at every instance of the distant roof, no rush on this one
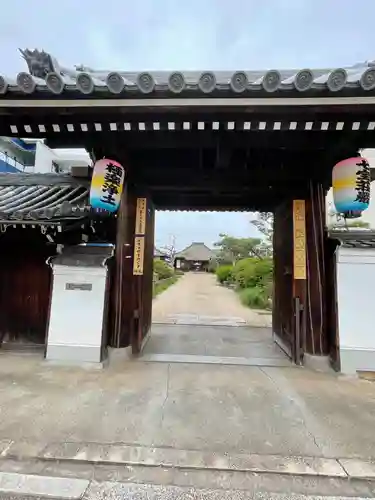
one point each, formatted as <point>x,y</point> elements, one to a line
<point>196,251</point>
<point>159,253</point>
<point>46,74</point>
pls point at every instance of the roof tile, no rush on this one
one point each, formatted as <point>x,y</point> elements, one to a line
<point>45,74</point>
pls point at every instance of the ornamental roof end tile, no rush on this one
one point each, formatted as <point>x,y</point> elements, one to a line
<point>45,74</point>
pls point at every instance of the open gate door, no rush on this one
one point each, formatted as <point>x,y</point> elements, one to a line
<point>290,273</point>
<point>282,314</point>
<point>143,272</point>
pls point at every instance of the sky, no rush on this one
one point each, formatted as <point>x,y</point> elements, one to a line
<point>190,34</point>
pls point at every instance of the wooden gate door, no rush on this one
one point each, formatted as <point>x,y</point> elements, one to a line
<point>25,285</point>
<point>282,314</point>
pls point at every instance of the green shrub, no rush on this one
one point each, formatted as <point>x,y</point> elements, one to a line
<point>212,266</point>
<point>264,270</point>
<point>254,297</point>
<point>252,272</point>
<point>224,273</point>
<point>244,273</point>
<point>162,269</point>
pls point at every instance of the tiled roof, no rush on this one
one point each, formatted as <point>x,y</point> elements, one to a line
<point>158,253</point>
<point>46,75</point>
<point>196,252</point>
<point>354,238</point>
<point>42,202</point>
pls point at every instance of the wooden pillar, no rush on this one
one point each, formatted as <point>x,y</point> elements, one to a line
<point>143,271</point>
<point>282,314</point>
<point>299,279</point>
<point>316,296</point>
<point>300,315</point>
<point>122,294</point>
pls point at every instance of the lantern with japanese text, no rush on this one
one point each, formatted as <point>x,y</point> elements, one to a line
<point>106,185</point>
<point>351,186</point>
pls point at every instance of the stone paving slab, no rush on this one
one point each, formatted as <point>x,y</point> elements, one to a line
<point>191,459</point>
<point>55,487</point>
<point>358,468</point>
<point>215,360</point>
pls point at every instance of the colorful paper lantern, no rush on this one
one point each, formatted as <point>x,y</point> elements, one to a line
<point>351,186</point>
<point>106,185</point>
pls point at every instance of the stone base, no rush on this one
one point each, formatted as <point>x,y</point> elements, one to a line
<point>86,356</point>
<point>357,360</point>
<point>120,354</point>
<point>317,363</point>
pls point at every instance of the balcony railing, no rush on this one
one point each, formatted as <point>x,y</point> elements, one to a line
<point>12,162</point>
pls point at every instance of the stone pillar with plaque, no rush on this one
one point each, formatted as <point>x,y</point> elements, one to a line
<point>79,305</point>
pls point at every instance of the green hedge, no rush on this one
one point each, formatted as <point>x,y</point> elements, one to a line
<point>252,272</point>
<point>162,270</point>
<point>253,278</point>
<point>255,298</point>
<point>224,273</point>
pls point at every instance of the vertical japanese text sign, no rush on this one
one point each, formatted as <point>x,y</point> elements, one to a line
<point>140,232</point>
<point>139,255</point>
<point>107,185</point>
<point>140,219</point>
<point>299,240</point>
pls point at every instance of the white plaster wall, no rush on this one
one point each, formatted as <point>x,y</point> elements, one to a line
<point>76,318</point>
<point>64,158</point>
<point>356,311</point>
<point>43,159</point>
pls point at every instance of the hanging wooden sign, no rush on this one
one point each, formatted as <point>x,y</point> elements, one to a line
<point>107,185</point>
<point>139,255</point>
<point>140,218</point>
<point>299,240</point>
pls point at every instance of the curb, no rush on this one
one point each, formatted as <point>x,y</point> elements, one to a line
<point>39,486</point>
<point>117,454</point>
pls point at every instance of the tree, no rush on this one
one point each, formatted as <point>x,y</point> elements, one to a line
<point>170,249</point>
<point>232,249</point>
<point>264,224</point>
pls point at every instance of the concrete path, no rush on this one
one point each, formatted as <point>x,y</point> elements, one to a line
<point>247,345</point>
<point>197,298</point>
<point>207,408</point>
<point>152,430</point>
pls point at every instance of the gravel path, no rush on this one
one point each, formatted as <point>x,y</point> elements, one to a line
<point>198,298</point>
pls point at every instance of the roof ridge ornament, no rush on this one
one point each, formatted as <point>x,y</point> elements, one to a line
<point>145,82</point>
<point>271,80</point>
<point>39,62</point>
<point>115,82</point>
<point>239,81</point>
<point>176,82</point>
<point>367,80</point>
<point>26,82</point>
<point>85,83</point>
<point>55,82</point>
<point>207,82</point>
<point>303,80</point>
<point>337,80</point>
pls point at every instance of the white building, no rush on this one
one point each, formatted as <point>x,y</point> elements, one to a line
<point>33,156</point>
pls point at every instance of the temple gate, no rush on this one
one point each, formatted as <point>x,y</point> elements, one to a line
<point>240,141</point>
